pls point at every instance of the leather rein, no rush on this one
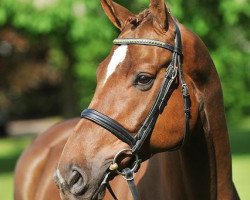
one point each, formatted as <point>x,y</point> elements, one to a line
<point>136,142</point>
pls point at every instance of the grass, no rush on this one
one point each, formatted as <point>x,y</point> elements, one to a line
<point>240,144</point>
<point>241,175</point>
<point>11,148</point>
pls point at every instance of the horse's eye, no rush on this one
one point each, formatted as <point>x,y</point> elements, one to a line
<point>144,81</point>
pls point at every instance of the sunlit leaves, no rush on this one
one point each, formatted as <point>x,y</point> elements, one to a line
<point>3,16</point>
<point>235,9</point>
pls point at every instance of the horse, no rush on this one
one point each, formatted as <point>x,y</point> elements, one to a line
<point>157,111</point>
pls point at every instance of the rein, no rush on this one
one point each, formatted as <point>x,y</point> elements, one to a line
<point>136,142</point>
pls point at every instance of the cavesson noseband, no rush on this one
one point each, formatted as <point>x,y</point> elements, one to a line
<point>136,142</point>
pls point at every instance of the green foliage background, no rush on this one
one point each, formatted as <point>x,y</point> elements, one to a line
<point>79,36</point>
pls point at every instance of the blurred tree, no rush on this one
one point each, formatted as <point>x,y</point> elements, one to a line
<point>78,36</point>
<point>23,67</point>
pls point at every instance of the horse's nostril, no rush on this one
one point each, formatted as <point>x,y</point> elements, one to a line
<point>77,182</point>
<point>75,177</point>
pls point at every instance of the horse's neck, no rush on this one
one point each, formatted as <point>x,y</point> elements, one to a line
<point>217,142</point>
<point>190,173</point>
<point>212,137</point>
<point>185,174</point>
<point>196,168</point>
<point>202,168</point>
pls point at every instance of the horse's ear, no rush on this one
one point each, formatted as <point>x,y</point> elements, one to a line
<point>116,13</point>
<point>159,10</point>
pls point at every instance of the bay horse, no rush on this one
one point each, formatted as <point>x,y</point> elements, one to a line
<point>157,91</point>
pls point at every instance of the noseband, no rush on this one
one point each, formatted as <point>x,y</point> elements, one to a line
<point>136,142</point>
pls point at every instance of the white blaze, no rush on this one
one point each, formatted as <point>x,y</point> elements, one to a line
<point>117,58</point>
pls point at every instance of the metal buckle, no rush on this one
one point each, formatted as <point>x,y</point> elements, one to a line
<point>185,90</point>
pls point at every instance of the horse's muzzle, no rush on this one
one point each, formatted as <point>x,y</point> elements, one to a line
<point>74,181</point>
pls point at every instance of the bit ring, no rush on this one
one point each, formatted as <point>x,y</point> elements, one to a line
<point>114,165</point>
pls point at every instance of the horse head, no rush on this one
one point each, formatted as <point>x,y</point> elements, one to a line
<point>129,81</point>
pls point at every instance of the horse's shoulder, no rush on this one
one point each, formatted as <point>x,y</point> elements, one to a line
<point>40,158</point>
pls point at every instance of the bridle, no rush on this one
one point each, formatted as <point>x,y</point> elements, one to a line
<point>136,142</point>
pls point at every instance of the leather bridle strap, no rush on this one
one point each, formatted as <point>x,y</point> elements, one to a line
<point>171,72</point>
<point>147,127</point>
<point>123,134</point>
<point>106,122</point>
<point>156,109</point>
<point>104,183</point>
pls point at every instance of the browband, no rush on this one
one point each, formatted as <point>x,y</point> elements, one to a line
<point>149,42</point>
